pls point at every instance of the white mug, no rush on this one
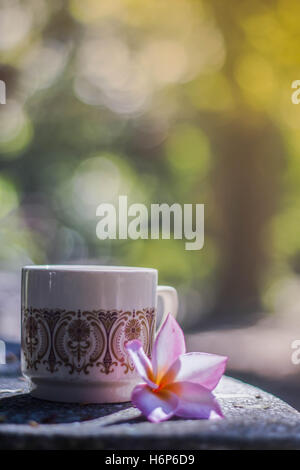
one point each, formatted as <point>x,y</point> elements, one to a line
<point>76,321</point>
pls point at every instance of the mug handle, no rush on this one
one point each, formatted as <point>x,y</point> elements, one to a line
<point>170,301</point>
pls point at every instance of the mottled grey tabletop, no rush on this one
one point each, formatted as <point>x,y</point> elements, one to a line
<point>253,419</point>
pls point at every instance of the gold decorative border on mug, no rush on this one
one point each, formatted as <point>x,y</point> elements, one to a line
<point>79,340</point>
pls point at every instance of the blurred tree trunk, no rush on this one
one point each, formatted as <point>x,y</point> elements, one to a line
<point>246,183</point>
<point>248,153</point>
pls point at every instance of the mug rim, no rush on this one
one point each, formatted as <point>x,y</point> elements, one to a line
<point>88,268</point>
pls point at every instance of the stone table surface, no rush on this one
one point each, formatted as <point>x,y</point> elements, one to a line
<point>253,419</point>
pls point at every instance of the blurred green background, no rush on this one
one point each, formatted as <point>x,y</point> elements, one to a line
<point>184,101</point>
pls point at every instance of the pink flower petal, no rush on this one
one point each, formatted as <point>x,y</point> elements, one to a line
<point>155,405</point>
<point>201,368</point>
<point>169,344</point>
<point>195,401</point>
<point>141,361</point>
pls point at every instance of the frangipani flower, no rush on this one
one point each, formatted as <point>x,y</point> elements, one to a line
<point>175,382</point>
